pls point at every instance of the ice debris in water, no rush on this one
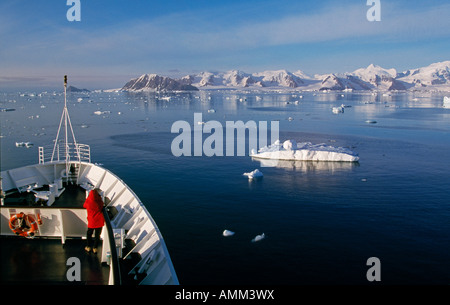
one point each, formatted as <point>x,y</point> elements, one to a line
<point>98,112</point>
<point>227,233</point>
<point>258,238</point>
<point>337,110</point>
<point>24,144</point>
<point>254,174</point>
<point>306,151</point>
<point>446,102</point>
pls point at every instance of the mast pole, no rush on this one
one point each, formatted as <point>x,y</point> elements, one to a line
<point>65,126</point>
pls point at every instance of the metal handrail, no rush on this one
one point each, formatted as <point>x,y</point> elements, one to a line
<point>111,244</point>
<point>73,152</point>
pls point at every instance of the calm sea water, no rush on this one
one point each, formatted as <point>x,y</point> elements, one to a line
<point>322,220</point>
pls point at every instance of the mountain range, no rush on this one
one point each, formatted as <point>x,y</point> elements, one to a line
<point>433,77</point>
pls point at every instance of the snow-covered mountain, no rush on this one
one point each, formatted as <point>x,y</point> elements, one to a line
<point>379,78</point>
<point>433,77</point>
<point>149,82</point>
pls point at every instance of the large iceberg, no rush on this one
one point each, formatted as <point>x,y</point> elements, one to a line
<point>306,151</point>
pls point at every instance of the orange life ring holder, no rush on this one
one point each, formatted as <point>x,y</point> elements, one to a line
<point>24,225</point>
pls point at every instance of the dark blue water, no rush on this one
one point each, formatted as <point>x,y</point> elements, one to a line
<point>322,220</point>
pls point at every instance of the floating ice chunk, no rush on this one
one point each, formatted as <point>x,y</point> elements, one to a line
<point>256,174</point>
<point>337,110</point>
<point>24,144</point>
<point>306,151</point>
<point>258,238</point>
<point>446,102</point>
<point>98,112</point>
<point>227,233</point>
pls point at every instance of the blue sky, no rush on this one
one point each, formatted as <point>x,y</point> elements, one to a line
<point>117,39</point>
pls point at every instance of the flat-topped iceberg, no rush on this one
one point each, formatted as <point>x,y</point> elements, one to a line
<point>306,151</point>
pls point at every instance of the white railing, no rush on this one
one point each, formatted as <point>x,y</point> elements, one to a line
<point>61,152</point>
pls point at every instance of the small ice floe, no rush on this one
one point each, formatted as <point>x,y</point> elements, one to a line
<point>371,122</point>
<point>258,238</point>
<point>290,150</point>
<point>446,102</point>
<point>337,110</point>
<point>24,144</point>
<point>98,112</point>
<point>227,233</point>
<point>256,174</point>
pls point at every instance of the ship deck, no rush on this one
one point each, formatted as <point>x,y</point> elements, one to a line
<point>43,261</point>
<point>72,197</point>
<point>46,258</point>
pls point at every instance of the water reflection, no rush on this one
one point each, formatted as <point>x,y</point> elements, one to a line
<point>308,166</point>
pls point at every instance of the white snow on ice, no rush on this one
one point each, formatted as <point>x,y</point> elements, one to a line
<point>254,174</point>
<point>305,151</point>
<point>446,102</point>
<point>258,238</point>
<point>227,233</point>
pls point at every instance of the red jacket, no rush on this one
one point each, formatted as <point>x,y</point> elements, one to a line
<point>94,206</point>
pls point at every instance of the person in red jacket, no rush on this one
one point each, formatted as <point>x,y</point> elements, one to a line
<point>94,207</point>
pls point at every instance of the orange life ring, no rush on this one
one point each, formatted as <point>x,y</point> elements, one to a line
<point>24,225</point>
